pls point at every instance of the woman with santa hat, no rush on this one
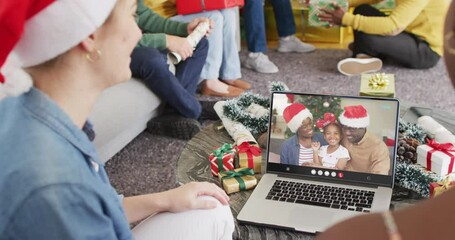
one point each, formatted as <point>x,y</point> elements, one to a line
<point>56,57</point>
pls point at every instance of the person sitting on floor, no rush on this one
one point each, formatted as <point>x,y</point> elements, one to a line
<point>149,63</point>
<point>221,73</point>
<point>410,35</point>
<point>421,221</point>
<point>253,15</point>
<point>52,182</point>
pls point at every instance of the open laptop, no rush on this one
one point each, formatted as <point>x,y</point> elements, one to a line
<point>308,198</point>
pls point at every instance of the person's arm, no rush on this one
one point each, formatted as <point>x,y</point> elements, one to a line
<point>156,27</point>
<point>395,23</point>
<point>341,164</point>
<point>176,200</point>
<point>436,212</point>
<point>65,211</point>
<point>316,158</point>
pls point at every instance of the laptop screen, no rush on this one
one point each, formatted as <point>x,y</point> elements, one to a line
<point>337,138</point>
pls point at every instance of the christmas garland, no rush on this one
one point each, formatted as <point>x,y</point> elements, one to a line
<point>235,109</point>
<point>415,178</point>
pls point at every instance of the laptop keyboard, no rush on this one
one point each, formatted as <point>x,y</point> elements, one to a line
<point>322,196</point>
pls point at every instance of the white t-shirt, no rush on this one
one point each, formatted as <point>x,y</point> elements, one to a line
<point>331,160</point>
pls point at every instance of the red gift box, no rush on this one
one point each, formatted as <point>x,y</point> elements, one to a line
<point>196,6</point>
<point>222,159</point>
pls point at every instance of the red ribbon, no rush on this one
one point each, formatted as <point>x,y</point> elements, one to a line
<point>250,150</point>
<point>443,147</point>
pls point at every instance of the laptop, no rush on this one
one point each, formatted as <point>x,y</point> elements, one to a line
<point>311,197</point>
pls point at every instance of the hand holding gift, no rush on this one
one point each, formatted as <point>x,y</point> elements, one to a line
<point>325,13</point>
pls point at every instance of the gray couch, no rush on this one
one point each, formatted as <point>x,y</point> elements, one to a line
<point>120,114</point>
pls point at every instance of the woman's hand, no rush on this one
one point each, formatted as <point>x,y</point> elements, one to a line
<point>333,17</point>
<point>193,24</point>
<point>179,45</point>
<point>188,196</point>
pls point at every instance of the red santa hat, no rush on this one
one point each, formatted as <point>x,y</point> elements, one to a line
<point>35,31</point>
<point>355,117</point>
<point>294,114</point>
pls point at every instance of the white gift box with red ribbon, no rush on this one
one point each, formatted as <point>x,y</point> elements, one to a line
<point>436,157</point>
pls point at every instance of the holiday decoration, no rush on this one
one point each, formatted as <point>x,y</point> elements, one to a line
<point>355,116</point>
<point>235,109</point>
<point>411,130</point>
<point>236,180</point>
<point>328,118</point>
<point>195,6</point>
<point>377,85</point>
<point>194,38</point>
<point>250,156</point>
<point>415,178</point>
<point>222,159</point>
<point>295,114</point>
<point>435,130</point>
<point>436,157</point>
<point>315,10</point>
<point>406,150</point>
<point>319,105</point>
<point>437,188</point>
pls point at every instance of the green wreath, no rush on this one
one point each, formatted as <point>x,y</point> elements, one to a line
<point>235,109</point>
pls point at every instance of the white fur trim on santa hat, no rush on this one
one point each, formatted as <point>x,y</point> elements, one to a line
<point>59,27</point>
<point>17,81</point>
<point>355,122</point>
<point>297,120</point>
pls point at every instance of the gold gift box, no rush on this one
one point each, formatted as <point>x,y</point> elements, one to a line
<point>232,185</point>
<point>257,160</point>
<point>388,90</point>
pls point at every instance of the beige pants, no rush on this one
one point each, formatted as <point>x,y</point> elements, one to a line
<point>211,224</point>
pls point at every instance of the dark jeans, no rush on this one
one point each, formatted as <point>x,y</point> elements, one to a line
<point>404,48</point>
<point>253,15</point>
<point>177,91</point>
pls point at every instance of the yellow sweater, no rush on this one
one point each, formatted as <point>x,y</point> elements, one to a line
<point>423,18</point>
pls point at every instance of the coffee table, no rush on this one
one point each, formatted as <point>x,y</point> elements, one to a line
<point>193,165</point>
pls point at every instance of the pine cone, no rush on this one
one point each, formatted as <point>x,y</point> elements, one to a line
<point>406,150</point>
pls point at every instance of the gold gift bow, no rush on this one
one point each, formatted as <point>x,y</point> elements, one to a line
<point>378,81</point>
<point>445,183</point>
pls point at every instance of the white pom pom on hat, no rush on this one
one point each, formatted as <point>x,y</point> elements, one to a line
<point>37,31</point>
<point>294,114</point>
<point>355,117</point>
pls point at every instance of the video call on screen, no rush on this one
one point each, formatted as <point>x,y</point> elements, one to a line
<point>380,129</point>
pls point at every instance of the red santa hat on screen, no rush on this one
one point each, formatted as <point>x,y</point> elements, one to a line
<point>35,31</point>
<point>355,117</point>
<point>294,114</point>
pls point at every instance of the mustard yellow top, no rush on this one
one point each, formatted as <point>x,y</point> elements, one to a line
<point>165,8</point>
<point>423,18</point>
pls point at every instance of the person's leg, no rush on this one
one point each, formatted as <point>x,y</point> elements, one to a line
<point>253,16</point>
<point>211,224</point>
<point>284,18</point>
<point>405,48</point>
<point>210,85</point>
<point>150,65</point>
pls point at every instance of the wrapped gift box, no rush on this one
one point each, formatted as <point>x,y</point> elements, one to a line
<point>250,156</point>
<point>316,5</point>
<point>438,161</point>
<point>437,188</point>
<point>377,85</point>
<point>222,159</point>
<point>196,6</point>
<point>386,4</point>
<point>237,180</point>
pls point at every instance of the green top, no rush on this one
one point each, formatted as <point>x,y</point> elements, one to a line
<point>154,27</point>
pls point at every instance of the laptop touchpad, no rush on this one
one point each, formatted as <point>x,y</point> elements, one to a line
<point>309,219</point>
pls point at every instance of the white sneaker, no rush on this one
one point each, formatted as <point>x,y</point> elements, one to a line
<point>259,62</point>
<point>293,44</point>
<point>356,66</point>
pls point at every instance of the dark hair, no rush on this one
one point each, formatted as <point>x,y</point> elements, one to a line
<point>336,124</point>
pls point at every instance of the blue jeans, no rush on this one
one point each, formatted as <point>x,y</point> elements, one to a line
<point>253,15</point>
<point>177,91</point>
<point>223,58</point>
